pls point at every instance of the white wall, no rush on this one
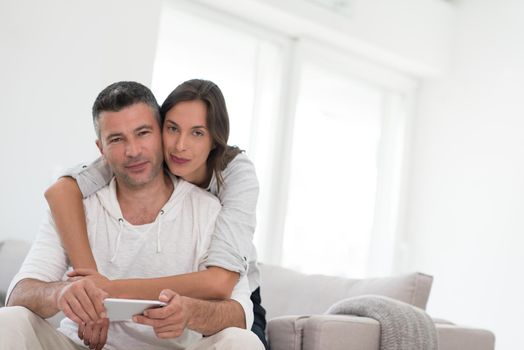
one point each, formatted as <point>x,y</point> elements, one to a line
<point>465,220</point>
<point>56,55</point>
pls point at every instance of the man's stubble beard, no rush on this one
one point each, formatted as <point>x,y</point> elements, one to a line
<point>129,181</point>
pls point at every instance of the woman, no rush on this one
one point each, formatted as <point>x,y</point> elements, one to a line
<point>195,133</point>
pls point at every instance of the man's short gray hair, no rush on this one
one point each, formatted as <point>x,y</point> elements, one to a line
<point>120,95</point>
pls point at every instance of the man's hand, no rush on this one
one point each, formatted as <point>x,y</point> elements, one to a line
<point>168,321</point>
<point>99,280</point>
<point>94,335</point>
<point>81,301</point>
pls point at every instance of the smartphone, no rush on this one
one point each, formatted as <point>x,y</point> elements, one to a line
<point>125,309</point>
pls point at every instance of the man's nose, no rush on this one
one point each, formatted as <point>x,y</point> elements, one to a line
<point>132,149</point>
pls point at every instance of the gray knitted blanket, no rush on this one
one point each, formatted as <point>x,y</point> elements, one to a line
<point>402,326</point>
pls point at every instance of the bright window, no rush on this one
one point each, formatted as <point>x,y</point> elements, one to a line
<point>333,174</point>
<point>325,131</point>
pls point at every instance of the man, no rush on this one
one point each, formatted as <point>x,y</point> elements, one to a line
<point>145,223</point>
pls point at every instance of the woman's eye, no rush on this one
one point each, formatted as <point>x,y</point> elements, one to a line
<point>198,133</point>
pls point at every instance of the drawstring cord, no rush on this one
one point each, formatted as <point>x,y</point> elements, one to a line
<point>159,227</point>
<point>121,228</point>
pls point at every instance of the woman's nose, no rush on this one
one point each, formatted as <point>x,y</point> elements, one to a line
<point>180,144</point>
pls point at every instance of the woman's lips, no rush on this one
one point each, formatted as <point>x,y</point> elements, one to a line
<point>178,160</point>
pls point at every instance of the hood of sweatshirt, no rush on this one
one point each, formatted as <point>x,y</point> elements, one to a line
<point>109,201</point>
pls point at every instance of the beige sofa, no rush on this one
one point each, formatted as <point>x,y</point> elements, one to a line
<point>296,303</point>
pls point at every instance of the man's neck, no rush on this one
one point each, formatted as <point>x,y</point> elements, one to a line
<point>141,205</point>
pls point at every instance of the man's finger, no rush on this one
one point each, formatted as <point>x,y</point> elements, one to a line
<point>166,295</point>
<point>77,308</point>
<point>95,335</point>
<point>86,302</point>
<point>144,320</point>
<point>159,323</point>
<point>169,334</point>
<point>151,321</point>
<point>88,331</point>
<point>163,312</point>
<point>103,334</point>
<point>81,328</point>
<point>177,328</point>
<point>167,322</point>
<point>174,307</point>
<point>74,279</point>
<point>97,298</point>
<point>66,309</point>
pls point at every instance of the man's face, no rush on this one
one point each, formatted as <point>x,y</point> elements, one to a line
<point>130,141</point>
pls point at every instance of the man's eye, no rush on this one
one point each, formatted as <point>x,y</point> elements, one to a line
<point>143,133</point>
<point>116,139</point>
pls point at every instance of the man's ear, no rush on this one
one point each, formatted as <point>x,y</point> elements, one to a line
<point>100,147</point>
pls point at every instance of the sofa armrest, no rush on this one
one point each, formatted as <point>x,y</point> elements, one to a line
<point>333,332</point>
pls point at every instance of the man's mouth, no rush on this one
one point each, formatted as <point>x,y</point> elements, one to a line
<point>138,166</point>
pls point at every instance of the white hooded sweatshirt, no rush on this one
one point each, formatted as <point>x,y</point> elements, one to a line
<point>175,243</point>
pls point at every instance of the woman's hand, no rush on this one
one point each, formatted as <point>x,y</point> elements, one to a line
<point>168,321</point>
<point>98,279</point>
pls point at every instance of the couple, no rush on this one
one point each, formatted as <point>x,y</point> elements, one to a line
<point>152,235</point>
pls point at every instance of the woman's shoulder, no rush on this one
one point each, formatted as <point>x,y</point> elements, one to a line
<point>240,165</point>
<point>239,176</point>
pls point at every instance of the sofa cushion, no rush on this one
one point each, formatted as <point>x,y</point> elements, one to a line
<point>451,337</point>
<point>288,292</point>
<point>12,254</point>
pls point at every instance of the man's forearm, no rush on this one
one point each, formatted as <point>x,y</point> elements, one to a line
<point>37,296</point>
<point>209,317</point>
<point>80,300</point>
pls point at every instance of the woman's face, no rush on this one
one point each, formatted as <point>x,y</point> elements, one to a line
<point>187,141</point>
